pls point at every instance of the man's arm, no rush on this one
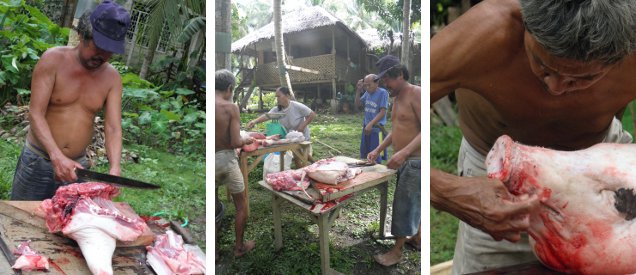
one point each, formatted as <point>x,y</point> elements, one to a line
<point>308,119</point>
<point>376,119</point>
<point>357,101</point>
<point>235,128</point>
<point>112,129</point>
<point>255,121</point>
<point>399,157</point>
<point>42,83</point>
<point>483,203</point>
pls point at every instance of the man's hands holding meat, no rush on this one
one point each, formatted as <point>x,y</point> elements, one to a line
<point>483,203</point>
<point>64,168</point>
<point>487,205</point>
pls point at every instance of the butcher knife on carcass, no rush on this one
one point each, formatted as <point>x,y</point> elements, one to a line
<point>113,180</point>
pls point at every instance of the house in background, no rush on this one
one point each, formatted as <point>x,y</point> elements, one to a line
<point>323,55</point>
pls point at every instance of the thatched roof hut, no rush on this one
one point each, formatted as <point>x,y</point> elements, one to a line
<point>323,53</point>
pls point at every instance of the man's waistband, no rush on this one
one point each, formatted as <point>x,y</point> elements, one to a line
<point>37,150</point>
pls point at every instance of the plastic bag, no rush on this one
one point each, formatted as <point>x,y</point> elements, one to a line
<point>271,163</point>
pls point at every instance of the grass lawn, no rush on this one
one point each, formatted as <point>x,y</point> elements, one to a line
<point>351,246</point>
<point>181,198</point>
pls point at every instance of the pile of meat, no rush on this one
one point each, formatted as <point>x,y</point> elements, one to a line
<point>260,140</point>
<point>586,220</point>
<point>85,212</point>
<point>29,259</point>
<point>170,256</point>
<point>328,171</point>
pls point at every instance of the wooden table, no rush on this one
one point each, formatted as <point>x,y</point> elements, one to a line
<point>20,221</point>
<point>298,149</point>
<point>376,176</point>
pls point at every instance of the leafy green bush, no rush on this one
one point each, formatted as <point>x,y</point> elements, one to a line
<point>25,33</point>
<point>164,119</point>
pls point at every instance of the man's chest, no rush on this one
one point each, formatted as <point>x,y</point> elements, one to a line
<point>72,88</point>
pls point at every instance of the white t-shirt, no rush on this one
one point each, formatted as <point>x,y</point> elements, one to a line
<point>295,114</point>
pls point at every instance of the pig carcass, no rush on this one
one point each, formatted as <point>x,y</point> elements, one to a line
<point>585,223</point>
<point>331,171</point>
<point>170,255</point>
<point>85,212</point>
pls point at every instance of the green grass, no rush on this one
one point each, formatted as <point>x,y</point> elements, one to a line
<point>182,179</point>
<point>351,245</point>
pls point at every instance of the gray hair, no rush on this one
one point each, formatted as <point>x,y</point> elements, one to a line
<point>583,30</point>
<point>224,79</point>
<point>84,27</point>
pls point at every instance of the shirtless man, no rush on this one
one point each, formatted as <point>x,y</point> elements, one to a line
<point>227,126</point>
<point>405,120</point>
<point>69,86</point>
<point>547,73</point>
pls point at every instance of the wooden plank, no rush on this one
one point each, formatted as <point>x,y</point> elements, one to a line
<point>30,212</point>
<point>360,182</point>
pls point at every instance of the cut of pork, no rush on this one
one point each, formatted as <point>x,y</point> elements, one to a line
<point>170,256</point>
<point>29,259</point>
<point>586,220</point>
<point>85,212</point>
<point>331,171</point>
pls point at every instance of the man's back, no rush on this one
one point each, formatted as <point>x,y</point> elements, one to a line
<point>223,119</point>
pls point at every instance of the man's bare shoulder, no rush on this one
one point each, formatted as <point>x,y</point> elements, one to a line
<point>56,55</point>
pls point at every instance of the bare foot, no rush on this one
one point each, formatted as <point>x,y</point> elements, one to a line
<point>247,247</point>
<point>414,242</point>
<point>390,258</point>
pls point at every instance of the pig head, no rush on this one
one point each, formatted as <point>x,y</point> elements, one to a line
<point>585,223</point>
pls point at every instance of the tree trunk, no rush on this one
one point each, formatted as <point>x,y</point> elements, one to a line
<point>406,43</point>
<point>280,49</point>
<point>223,25</point>
<point>152,47</point>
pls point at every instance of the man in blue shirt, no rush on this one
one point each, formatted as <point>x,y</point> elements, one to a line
<point>375,101</point>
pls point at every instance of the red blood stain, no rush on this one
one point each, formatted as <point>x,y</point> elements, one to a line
<point>54,265</point>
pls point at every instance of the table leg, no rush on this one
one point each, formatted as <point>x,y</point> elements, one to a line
<point>384,190</point>
<point>278,233</point>
<point>244,170</point>
<point>323,231</point>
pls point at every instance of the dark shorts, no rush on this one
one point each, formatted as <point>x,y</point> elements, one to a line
<point>34,177</point>
<point>406,200</point>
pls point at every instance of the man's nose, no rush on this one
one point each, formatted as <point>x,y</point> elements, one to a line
<point>559,84</point>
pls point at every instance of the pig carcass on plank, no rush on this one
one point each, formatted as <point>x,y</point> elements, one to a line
<point>288,180</point>
<point>170,256</point>
<point>85,212</point>
<point>29,259</point>
<point>586,220</point>
<point>331,171</point>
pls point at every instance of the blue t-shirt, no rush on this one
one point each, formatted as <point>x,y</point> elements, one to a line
<point>373,102</point>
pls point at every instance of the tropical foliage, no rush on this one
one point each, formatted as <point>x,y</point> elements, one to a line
<point>25,33</point>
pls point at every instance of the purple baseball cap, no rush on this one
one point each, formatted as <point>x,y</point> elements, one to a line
<point>386,63</point>
<point>110,23</point>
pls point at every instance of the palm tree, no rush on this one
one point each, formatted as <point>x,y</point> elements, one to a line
<point>172,14</point>
<point>223,25</point>
<point>280,49</point>
<point>406,43</point>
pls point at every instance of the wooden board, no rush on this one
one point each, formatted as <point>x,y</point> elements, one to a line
<point>531,268</point>
<point>360,182</point>
<point>65,256</point>
<point>35,216</point>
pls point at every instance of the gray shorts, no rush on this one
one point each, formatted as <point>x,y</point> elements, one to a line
<point>34,178</point>
<point>227,171</point>
<point>406,200</point>
<point>476,251</point>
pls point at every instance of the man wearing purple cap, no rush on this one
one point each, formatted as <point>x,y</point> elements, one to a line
<point>405,120</point>
<point>69,86</point>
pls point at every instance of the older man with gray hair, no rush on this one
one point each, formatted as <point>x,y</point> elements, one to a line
<point>557,74</point>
